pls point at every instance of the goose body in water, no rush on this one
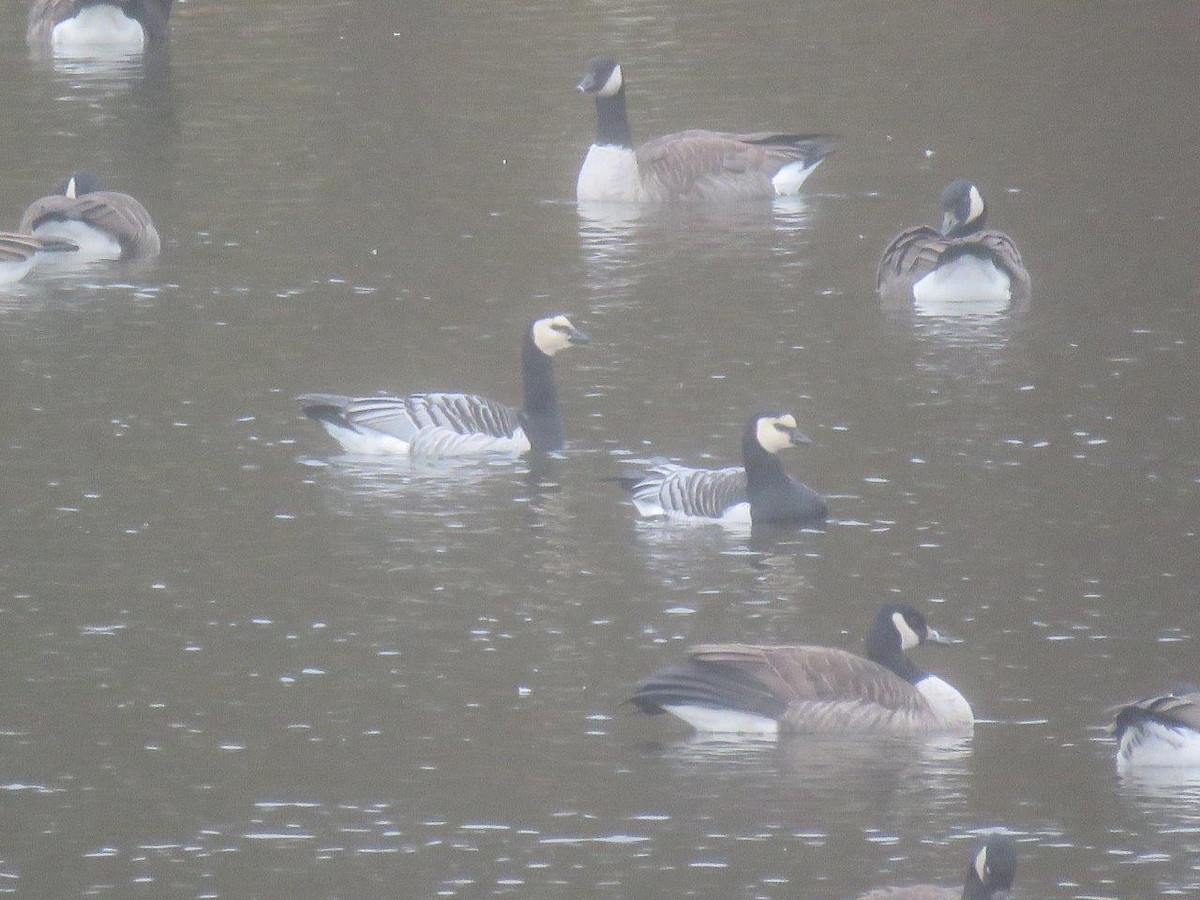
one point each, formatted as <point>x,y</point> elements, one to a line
<point>1158,732</point>
<point>758,492</point>
<point>105,224</point>
<point>441,425</point>
<point>19,253</point>
<point>688,165</point>
<point>962,262</point>
<point>795,689</point>
<point>990,873</point>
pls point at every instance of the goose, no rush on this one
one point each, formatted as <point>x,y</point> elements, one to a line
<point>990,872</point>
<point>1162,731</point>
<point>758,492</point>
<point>787,689</point>
<point>438,425</point>
<point>19,252</point>
<point>962,262</point>
<point>688,165</point>
<point>105,224</point>
<point>72,25</point>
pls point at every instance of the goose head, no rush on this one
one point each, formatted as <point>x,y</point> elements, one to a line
<point>992,869</point>
<point>775,431</point>
<point>899,628</point>
<point>554,333</point>
<point>602,78</point>
<point>963,209</point>
<point>79,183</point>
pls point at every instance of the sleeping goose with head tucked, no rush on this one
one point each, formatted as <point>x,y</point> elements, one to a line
<point>961,262</point>
<point>1158,732</point>
<point>688,165</point>
<point>990,873</point>
<point>442,425</point>
<point>788,689</point>
<point>758,492</point>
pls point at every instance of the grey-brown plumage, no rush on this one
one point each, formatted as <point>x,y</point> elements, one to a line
<point>990,872</point>
<point>18,253</point>
<point>801,689</point>
<point>920,251</point>
<point>1159,731</point>
<point>82,199</point>
<point>688,165</point>
<point>44,15</point>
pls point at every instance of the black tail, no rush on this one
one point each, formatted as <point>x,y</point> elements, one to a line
<point>712,685</point>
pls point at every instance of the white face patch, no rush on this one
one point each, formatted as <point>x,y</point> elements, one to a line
<point>981,864</point>
<point>976,209</point>
<point>552,334</point>
<point>908,638</point>
<point>774,433</point>
<point>613,85</point>
<point>70,191</point>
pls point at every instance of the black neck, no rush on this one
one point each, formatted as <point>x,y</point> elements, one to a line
<point>542,421</point>
<point>885,649</point>
<point>971,226</point>
<point>612,127</point>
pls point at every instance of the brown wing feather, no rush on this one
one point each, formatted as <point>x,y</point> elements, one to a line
<point>917,251</point>
<point>699,164</point>
<point>1182,708</point>
<point>119,214</point>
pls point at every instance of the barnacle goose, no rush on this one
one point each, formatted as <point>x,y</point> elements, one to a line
<point>1162,731</point>
<point>438,425</point>
<point>962,262</point>
<point>105,224</point>
<point>990,873</point>
<point>19,252</point>
<point>796,689</point>
<point>87,25</point>
<point>688,165</point>
<point>758,492</point>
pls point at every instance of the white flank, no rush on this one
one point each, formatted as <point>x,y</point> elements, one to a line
<point>609,174</point>
<point>947,704</point>
<point>432,442</point>
<point>965,280</point>
<point>787,180</point>
<point>1153,744</point>
<point>724,721</point>
<point>93,243</point>
<point>366,442</point>
<point>15,270</point>
<point>101,25</point>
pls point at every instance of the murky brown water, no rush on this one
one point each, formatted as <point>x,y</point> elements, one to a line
<point>236,665</point>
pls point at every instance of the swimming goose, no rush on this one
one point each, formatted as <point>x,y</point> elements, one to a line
<point>94,24</point>
<point>990,872</point>
<point>961,262</point>
<point>457,425</point>
<point>105,224</point>
<point>771,690</point>
<point>689,165</point>
<point>18,253</point>
<point>1159,731</point>
<point>758,492</point>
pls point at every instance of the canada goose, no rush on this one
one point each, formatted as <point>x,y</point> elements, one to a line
<point>689,165</point>
<point>82,24</point>
<point>1159,731</point>
<point>446,425</point>
<point>18,253</point>
<point>961,262</point>
<point>105,224</point>
<point>771,690</point>
<point>990,872</point>
<point>758,492</point>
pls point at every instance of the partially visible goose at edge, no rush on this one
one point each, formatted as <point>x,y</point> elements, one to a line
<point>688,165</point>
<point>962,262</point>
<point>19,253</point>
<point>1162,731</point>
<point>758,492</point>
<point>990,873</point>
<point>437,425</point>
<point>74,25</point>
<point>787,689</point>
<point>105,224</point>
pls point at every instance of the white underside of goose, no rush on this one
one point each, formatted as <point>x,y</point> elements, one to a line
<point>946,702</point>
<point>99,26</point>
<point>609,174</point>
<point>92,242</point>
<point>1155,745</point>
<point>787,181</point>
<point>15,270</point>
<point>962,281</point>
<point>428,443</point>
<point>707,720</point>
